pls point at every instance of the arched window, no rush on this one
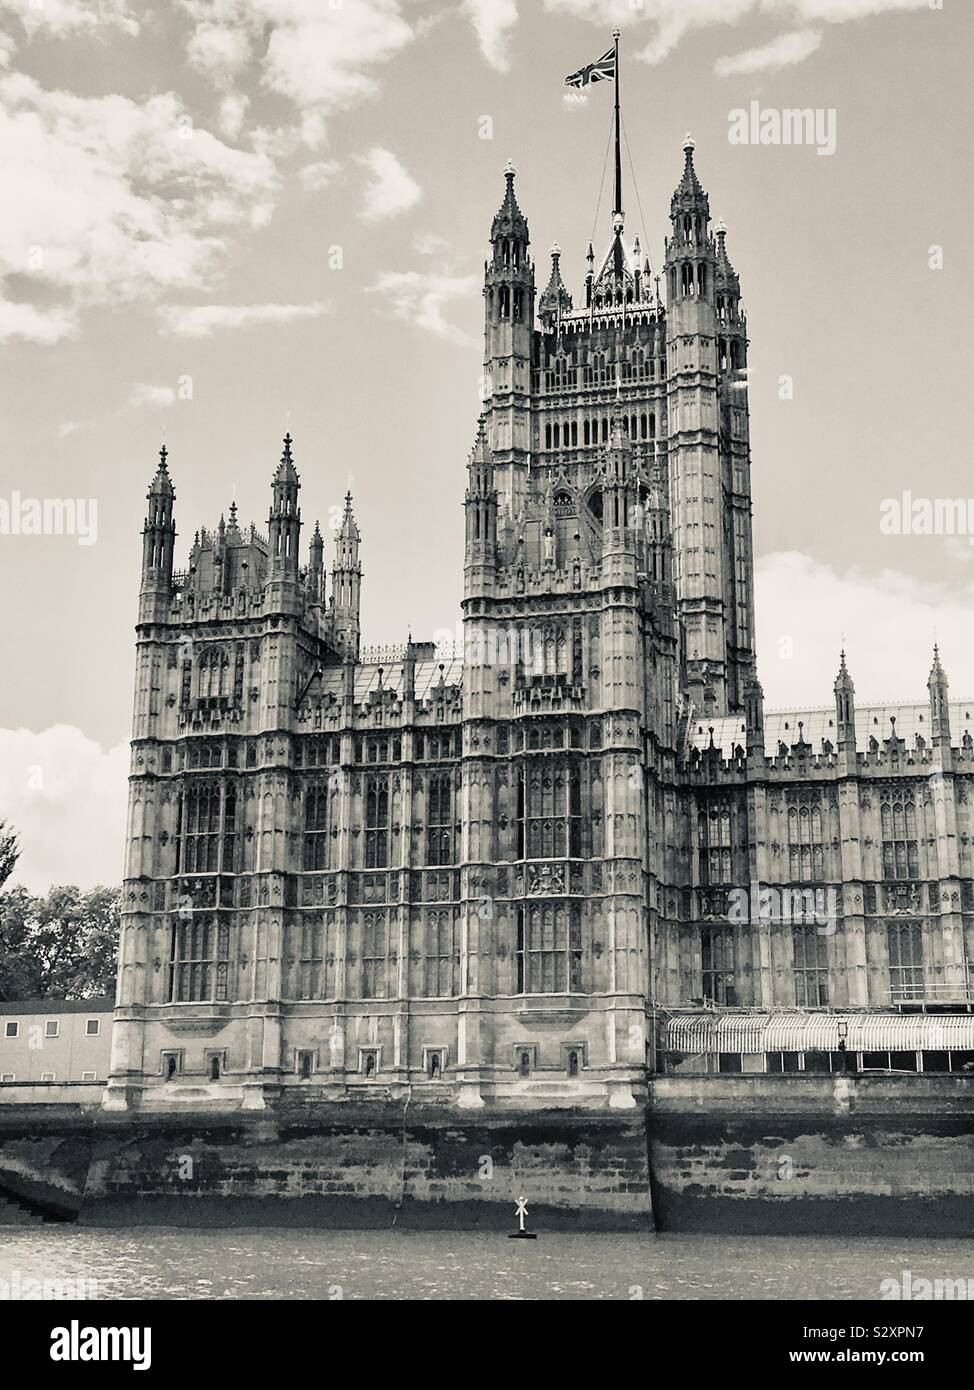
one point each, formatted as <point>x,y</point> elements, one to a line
<point>377,823</point>
<point>316,827</point>
<point>439,819</point>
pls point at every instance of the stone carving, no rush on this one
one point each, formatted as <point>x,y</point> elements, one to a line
<point>546,878</point>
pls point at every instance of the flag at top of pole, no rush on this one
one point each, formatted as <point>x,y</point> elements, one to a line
<point>605,69</point>
<point>602,70</point>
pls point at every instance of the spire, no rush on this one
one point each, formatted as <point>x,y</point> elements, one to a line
<point>162,483</point>
<point>285,469</point>
<point>346,585</point>
<point>689,191</point>
<point>845,708</point>
<point>723,260</point>
<point>939,707</point>
<point>284,522</point>
<point>316,551</point>
<point>556,300</point>
<point>509,220</point>
<point>158,539</point>
<point>937,673</point>
<point>480,507</point>
<point>754,718</point>
<point>349,530</point>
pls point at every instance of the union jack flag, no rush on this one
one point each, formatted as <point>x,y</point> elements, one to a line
<point>602,70</point>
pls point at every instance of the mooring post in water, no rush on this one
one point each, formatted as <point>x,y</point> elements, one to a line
<point>521,1211</point>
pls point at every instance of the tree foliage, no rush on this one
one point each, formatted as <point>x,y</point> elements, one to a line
<point>61,946</point>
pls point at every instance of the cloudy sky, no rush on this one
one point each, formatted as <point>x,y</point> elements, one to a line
<point>225,218</point>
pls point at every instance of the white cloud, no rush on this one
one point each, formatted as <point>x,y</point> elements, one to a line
<point>233,109</point>
<point>144,393</point>
<point>319,175</point>
<point>66,796</point>
<point>108,200</point>
<point>220,51</point>
<point>838,11</point>
<point>493,20</point>
<point>887,620</point>
<point>781,52</point>
<point>200,320</point>
<point>60,17</point>
<point>420,299</point>
<point>32,325</point>
<point>673,20</point>
<point>316,54</point>
<point>391,190</point>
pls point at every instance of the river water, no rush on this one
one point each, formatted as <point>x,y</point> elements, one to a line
<point>164,1263</point>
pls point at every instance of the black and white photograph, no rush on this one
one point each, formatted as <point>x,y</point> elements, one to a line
<point>486,777</point>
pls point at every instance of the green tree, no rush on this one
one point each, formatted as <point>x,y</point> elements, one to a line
<point>62,946</point>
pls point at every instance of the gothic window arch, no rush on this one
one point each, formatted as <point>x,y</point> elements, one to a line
<point>548,949</point>
<point>439,818</point>
<point>714,843</point>
<point>199,959</point>
<point>548,822</point>
<point>442,954</point>
<point>901,850</point>
<point>374,955</point>
<point>377,823</point>
<point>811,968</point>
<point>316,826</point>
<point>313,970</point>
<point>806,850</point>
<point>904,941</point>
<point>718,965</point>
<point>207,816</point>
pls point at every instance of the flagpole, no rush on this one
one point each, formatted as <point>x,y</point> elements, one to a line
<point>618,199</point>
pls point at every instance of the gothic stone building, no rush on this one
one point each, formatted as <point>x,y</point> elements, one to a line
<point>532,872</point>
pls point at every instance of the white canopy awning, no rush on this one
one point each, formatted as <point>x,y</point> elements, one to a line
<point>754,1033</point>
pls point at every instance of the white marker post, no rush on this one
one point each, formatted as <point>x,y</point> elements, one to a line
<point>521,1211</point>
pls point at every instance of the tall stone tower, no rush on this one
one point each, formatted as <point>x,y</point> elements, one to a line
<point>708,451</point>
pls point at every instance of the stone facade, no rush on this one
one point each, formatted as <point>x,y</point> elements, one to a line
<point>480,877</point>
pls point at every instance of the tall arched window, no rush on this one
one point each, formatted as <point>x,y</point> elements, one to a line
<point>377,823</point>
